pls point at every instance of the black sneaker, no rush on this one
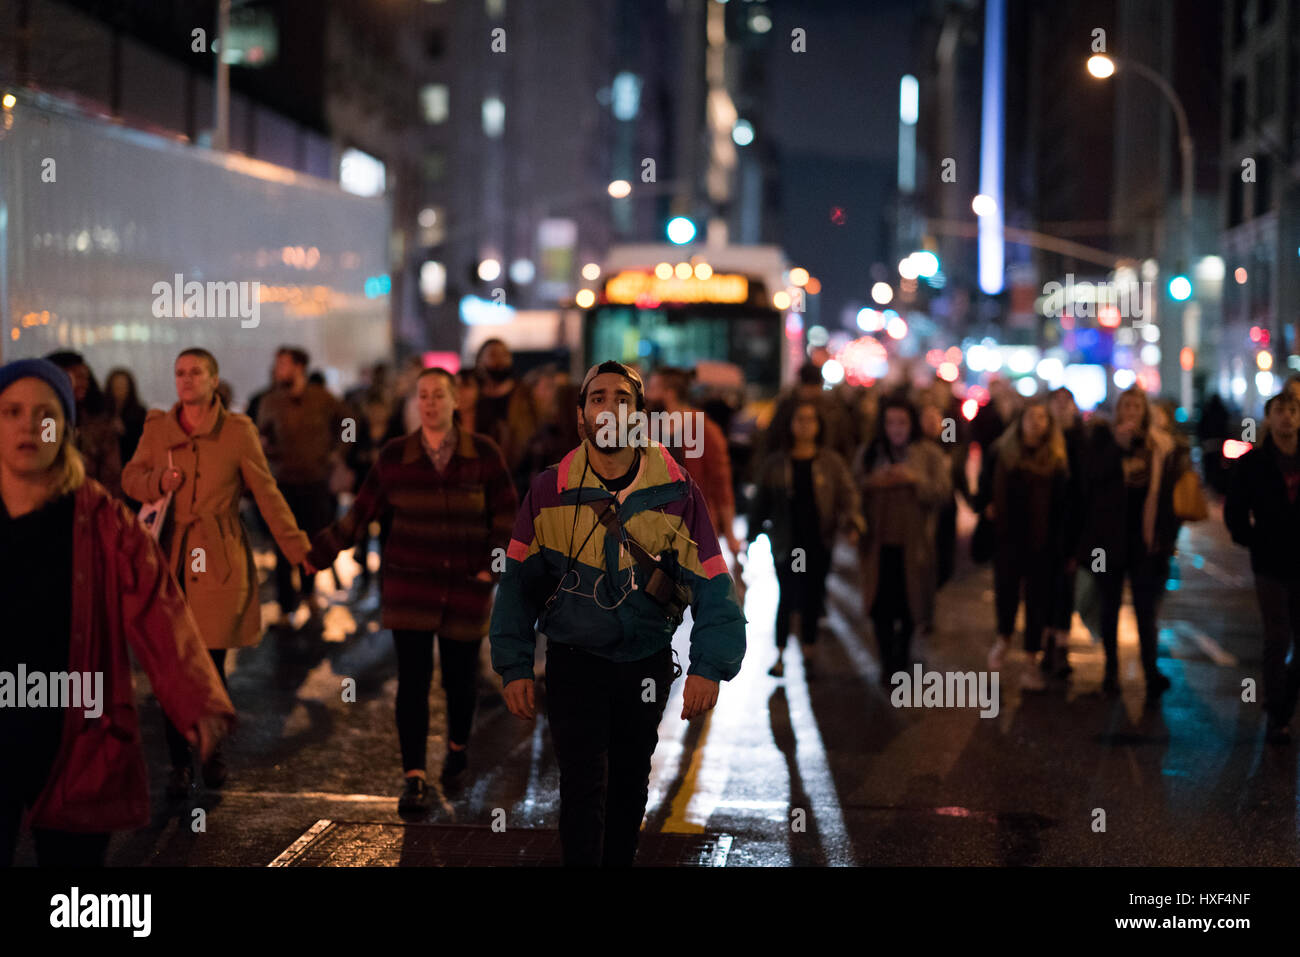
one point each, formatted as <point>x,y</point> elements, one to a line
<point>415,797</point>
<point>1157,686</point>
<point>777,670</point>
<point>179,783</point>
<point>455,763</point>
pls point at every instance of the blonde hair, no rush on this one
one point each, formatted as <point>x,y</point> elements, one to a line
<point>68,466</point>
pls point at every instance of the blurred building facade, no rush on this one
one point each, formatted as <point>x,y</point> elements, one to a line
<point>1260,198</point>
<point>1092,169</point>
<point>499,124</point>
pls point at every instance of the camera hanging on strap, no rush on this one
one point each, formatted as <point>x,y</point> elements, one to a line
<point>664,589</point>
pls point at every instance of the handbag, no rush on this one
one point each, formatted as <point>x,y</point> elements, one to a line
<point>153,515</point>
<point>1189,498</point>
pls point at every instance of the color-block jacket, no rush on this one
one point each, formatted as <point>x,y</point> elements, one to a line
<point>597,610</point>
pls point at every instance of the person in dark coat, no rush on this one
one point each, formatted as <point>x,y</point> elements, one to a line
<point>805,496</point>
<point>96,433</point>
<point>122,402</point>
<point>936,429</point>
<point>1023,485</point>
<point>1065,415</point>
<point>1129,527</point>
<point>1262,512</point>
<point>452,505</point>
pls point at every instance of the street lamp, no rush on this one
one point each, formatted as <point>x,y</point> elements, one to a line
<point>1102,67</point>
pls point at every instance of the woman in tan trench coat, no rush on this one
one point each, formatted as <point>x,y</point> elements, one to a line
<point>214,455</point>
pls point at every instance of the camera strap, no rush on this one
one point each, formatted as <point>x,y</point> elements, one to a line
<point>658,587</point>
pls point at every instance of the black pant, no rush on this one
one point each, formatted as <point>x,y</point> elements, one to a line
<point>604,721</point>
<point>1037,573</point>
<point>945,543</point>
<point>177,746</point>
<point>1279,607</point>
<point>415,674</point>
<point>53,848</point>
<point>1146,575</point>
<point>890,613</point>
<point>802,591</point>
<point>1063,599</point>
<point>313,508</point>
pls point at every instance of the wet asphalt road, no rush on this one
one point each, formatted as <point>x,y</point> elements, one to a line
<point>813,769</point>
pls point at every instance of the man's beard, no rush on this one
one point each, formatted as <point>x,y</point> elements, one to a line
<point>590,432</point>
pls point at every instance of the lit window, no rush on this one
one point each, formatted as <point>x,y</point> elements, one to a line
<point>494,116</point>
<point>435,102</point>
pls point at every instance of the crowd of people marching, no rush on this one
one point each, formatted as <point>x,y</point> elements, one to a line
<point>473,485</point>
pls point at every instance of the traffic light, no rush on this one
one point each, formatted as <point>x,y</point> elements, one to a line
<point>680,230</point>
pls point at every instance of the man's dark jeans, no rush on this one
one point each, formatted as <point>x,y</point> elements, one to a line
<point>1279,609</point>
<point>313,508</point>
<point>604,720</point>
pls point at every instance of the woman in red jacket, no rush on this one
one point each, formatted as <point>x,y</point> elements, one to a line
<point>80,579</point>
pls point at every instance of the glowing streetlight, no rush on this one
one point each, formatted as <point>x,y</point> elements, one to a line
<point>882,293</point>
<point>620,189</point>
<point>1101,66</point>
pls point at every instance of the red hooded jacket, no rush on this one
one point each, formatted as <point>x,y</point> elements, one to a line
<point>122,592</point>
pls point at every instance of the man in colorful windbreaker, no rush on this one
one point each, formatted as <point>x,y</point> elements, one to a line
<point>609,548</point>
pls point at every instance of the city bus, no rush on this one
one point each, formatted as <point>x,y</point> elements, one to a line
<point>715,308</point>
